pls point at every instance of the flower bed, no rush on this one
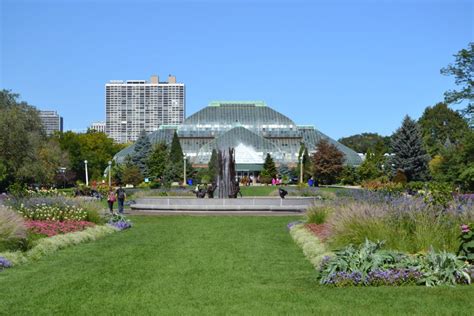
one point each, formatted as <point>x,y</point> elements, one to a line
<point>53,212</point>
<point>322,231</point>
<point>313,248</point>
<point>120,222</point>
<point>49,245</point>
<point>52,228</point>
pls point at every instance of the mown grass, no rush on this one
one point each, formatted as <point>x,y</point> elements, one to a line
<point>202,265</point>
<point>254,190</point>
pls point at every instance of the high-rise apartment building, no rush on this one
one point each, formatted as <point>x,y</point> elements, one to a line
<point>98,126</point>
<point>52,122</point>
<point>135,105</point>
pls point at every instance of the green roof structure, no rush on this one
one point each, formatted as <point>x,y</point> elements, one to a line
<point>251,127</point>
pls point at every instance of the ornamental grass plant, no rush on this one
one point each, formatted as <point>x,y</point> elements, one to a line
<point>12,228</point>
<point>406,223</point>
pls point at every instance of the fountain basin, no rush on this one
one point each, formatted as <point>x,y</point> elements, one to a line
<point>291,204</point>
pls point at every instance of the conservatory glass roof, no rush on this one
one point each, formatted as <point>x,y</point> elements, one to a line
<point>251,127</point>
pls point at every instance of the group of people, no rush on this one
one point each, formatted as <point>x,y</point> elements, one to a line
<point>276,181</point>
<point>119,196</point>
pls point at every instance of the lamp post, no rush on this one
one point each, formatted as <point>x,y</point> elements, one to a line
<point>301,169</point>
<point>110,173</point>
<point>184,168</point>
<point>63,172</point>
<point>87,175</point>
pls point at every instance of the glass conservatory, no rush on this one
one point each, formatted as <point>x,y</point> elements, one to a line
<point>251,127</point>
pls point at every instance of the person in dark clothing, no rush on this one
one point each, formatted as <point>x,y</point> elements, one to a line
<point>282,193</point>
<point>120,198</point>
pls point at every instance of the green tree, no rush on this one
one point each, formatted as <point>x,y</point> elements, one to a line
<point>455,163</point>
<point>409,155</point>
<point>174,170</point>
<point>440,124</point>
<point>213,166</point>
<point>158,160</point>
<point>176,152</point>
<point>328,162</point>
<point>269,166</point>
<point>21,136</point>
<point>462,70</point>
<point>95,147</point>
<point>141,153</point>
<point>349,175</point>
<point>269,170</point>
<point>304,157</point>
<point>361,143</point>
<point>373,165</point>
<point>132,175</point>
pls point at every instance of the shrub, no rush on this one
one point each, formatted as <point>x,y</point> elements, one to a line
<point>317,214</point>
<point>12,229</point>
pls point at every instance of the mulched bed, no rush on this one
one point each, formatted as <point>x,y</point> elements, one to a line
<point>321,231</point>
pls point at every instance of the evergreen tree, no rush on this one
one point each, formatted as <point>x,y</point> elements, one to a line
<point>174,169</point>
<point>269,166</point>
<point>176,152</point>
<point>158,160</point>
<point>409,155</point>
<point>213,166</point>
<point>328,162</point>
<point>142,153</point>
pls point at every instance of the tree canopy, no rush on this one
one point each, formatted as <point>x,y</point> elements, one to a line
<point>328,162</point>
<point>463,71</point>
<point>24,154</point>
<point>361,143</point>
<point>440,124</point>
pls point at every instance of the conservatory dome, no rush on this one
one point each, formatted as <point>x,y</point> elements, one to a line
<point>251,127</point>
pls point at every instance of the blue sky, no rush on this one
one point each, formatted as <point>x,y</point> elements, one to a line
<point>346,67</point>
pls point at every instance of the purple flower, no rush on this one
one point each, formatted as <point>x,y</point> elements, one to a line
<point>4,263</point>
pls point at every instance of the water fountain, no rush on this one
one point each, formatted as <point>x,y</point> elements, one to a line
<point>226,185</point>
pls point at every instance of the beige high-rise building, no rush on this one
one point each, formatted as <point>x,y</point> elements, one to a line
<point>135,105</point>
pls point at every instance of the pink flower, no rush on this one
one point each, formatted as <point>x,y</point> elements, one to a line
<point>465,228</point>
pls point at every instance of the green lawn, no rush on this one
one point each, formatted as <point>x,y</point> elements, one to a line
<point>202,265</point>
<point>254,190</point>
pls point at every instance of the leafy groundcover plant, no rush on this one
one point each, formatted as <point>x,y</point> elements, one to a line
<point>370,265</point>
<point>466,249</point>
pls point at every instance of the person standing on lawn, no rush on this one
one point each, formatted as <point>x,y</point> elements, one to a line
<point>120,198</point>
<point>110,200</point>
